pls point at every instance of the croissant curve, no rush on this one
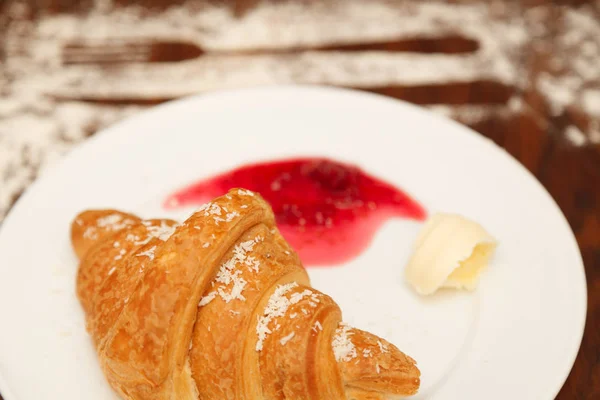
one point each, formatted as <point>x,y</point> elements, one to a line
<point>220,307</point>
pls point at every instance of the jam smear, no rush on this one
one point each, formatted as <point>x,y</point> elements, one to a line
<point>327,210</point>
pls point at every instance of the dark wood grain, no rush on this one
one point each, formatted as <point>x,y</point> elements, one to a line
<point>536,138</point>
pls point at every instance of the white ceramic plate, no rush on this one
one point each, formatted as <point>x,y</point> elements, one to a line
<point>516,337</point>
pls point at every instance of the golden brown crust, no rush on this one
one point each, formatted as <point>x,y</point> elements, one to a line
<point>219,307</point>
<point>380,367</point>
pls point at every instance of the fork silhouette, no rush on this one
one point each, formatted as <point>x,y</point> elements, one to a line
<point>115,51</point>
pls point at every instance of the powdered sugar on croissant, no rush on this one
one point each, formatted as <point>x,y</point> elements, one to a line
<point>220,307</point>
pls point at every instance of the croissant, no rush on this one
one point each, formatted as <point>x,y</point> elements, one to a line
<point>220,307</point>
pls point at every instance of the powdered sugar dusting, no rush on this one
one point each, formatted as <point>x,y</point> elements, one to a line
<point>122,252</point>
<point>575,136</point>
<point>383,348</point>
<point>276,307</point>
<point>109,220</point>
<point>317,326</point>
<point>241,254</point>
<point>230,216</point>
<point>244,192</point>
<point>132,238</point>
<point>207,299</point>
<point>113,222</point>
<point>591,101</point>
<point>287,338</point>
<point>148,253</point>
<point>229,275</point>
<point>219,214</point>
<point>296,297</point>
<point>162,231</point>
<point>343,348</point>
<point>91,233</point>
<point>204,207</point>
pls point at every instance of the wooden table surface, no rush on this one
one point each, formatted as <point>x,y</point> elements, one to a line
<point>558,141</point>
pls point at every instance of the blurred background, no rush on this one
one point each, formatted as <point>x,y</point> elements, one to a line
<point>525,74</point>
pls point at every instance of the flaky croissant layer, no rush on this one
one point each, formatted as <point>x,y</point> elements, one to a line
<point>220,307</point>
